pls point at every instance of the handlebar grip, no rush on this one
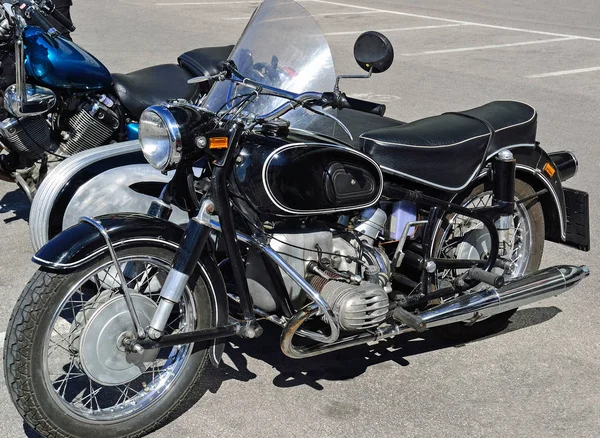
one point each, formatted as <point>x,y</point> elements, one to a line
<point>39,18</point>
<point>486,277</point>
<point>364,106</point>
<point>64,21</point>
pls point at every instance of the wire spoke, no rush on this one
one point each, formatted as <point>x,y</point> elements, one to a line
<point>81,392</point>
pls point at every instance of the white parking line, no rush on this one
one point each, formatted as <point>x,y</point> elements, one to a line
<point>358,32</point>
<point>210,3</point>
<point>314,15</point>
<point>472,23</point>
<point>563,72</point>
<point>492,46</point>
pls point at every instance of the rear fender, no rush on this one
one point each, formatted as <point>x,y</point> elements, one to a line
<point>531,164</point>
<point>532,168</point>
<point>82,244</point>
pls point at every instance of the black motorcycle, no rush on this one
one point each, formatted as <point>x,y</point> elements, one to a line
<point>56,99</point>
<point>436,223</point>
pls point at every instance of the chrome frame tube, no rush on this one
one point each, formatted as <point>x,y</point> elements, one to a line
<point>21,87</point>
<point>20,70</point>
<point>323,307</point>
<point>281,322</point>
<point>399,254</point>
<point>126,294</point>
<point>315,296</point>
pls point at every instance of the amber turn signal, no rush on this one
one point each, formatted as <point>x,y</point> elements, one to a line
<point>218,143</point>
<point>549,170</point>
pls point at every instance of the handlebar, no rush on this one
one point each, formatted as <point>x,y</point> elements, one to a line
<point>64,21</point>
<point>364,106</point>
<point>333,99</point>
<point>30,9</point>
<point>341,101</point>
<point>298,100</point>
<point>39,18</point>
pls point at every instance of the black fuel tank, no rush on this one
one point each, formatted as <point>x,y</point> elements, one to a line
<point>301,176</point>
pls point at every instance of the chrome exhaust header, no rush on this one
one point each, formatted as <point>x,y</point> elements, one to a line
<point>467,308</point>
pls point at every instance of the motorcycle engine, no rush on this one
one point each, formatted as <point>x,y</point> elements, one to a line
<point>345,267</point>
<point>92,124</point>
<point>29,137</point>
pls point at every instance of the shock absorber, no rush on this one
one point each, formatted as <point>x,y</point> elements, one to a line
<point>504,195</point>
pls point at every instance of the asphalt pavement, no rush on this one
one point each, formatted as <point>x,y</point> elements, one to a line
<point>538,378</point>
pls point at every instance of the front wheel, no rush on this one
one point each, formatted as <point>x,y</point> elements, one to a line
<point>66,368</point>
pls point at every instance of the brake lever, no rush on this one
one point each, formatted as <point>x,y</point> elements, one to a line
<point>198,79</point>
<point>335,119</point>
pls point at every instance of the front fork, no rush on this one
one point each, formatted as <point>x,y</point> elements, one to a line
<point>504,168</point>
<point>194,241</point>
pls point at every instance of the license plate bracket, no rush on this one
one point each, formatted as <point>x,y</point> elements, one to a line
<point>578,219</point>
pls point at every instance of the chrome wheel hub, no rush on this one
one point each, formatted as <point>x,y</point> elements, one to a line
<point>104,353</point>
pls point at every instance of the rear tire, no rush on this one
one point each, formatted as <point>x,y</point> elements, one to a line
<point>27,357</point>
<point>533,209</point>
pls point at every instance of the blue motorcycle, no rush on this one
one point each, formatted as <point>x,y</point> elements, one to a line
<point>56,99</point>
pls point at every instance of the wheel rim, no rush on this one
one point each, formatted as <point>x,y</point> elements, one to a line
<point>467,236</point>
<point>73,390</point>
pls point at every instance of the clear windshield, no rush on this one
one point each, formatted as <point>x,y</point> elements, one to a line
<point>283,47</point>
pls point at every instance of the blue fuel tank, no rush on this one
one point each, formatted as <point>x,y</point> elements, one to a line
<point>60,63</point>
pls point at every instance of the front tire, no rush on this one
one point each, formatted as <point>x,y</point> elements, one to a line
<point>61,389</point>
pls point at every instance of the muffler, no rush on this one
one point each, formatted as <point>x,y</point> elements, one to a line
<point>468,308</point>
<point>525,290</point>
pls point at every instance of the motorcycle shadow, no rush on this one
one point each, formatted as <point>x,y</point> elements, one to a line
<point>352,362</point>
<point>340,365</point>
<point>15,202</point>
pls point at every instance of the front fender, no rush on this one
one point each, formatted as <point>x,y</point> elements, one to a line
<point>82,243</point>
<point>93,183</point>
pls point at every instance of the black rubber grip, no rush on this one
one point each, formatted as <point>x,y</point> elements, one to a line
<point>413,321</point>
<point>486,277</point>
<point>64,21</point>
<point>41,21</point>
<point>365,106</point>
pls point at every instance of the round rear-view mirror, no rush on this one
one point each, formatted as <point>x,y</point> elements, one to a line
<point>373,51</point>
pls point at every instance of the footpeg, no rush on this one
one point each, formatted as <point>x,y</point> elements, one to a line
<point>410,319</point>
<point>484,276</point>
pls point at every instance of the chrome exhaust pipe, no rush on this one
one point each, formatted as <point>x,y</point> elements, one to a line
<point>301,352</point>
<point>468,308</point>
<point>525,290</point>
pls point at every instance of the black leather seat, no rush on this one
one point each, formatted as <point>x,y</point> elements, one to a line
<point>153,85</point>
<point>447,151</point>
<point>357,122</point>
<point>204,61</point>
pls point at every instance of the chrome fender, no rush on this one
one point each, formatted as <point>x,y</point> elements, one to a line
<point>93,183</point>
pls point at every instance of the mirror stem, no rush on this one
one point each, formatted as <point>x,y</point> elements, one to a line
<point>336,89</point>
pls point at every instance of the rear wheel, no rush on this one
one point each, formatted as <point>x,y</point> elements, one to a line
<point>466,238</point>
<point>66,366</point>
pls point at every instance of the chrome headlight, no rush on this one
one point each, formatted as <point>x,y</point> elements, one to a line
<point>160,137</point>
